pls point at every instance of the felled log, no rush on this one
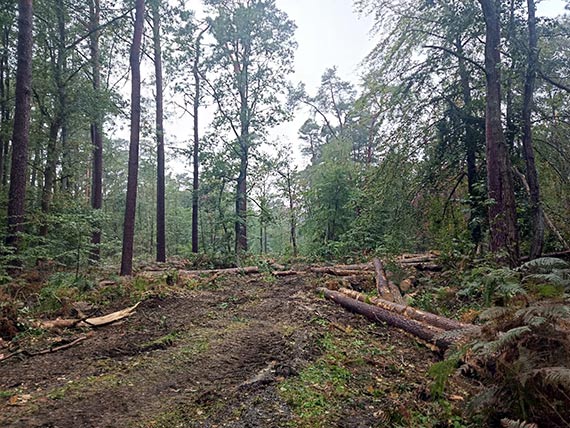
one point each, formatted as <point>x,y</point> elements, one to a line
<point>413,313</point>
<point>230,271</point>
<point>379,315</point>
<point>89,322</point>
<point>337,271</point>
<point>386,289</point>
<point>281,273</point>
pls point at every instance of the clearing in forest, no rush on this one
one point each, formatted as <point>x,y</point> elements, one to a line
<point>238,351</point>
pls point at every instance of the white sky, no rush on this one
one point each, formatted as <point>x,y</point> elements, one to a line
<point>330,33</point>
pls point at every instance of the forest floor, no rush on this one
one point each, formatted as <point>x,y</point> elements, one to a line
<point>239,351</point>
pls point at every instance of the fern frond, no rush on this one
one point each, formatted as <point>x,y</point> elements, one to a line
<point>509,423</point>
<point>544,264</point>
<point>555,277</point>
<point>493,313</point>
<point>506,339</point>
<point>554,376</point>
<point>511,289</point>
<point>550,312</point>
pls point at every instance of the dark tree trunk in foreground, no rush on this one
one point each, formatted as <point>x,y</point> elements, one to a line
<point>160,183</point>
<point>96,128</point>
<point>21,133</point>
<point>537,217</point>
<point>502,213</point>
<point>241,201</point>
<point>131,201</point>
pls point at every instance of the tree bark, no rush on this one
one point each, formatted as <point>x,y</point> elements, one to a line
<point>537,216</point>
<point>241,201</point>
<point>196,147</point>
<point>471,143</point>
<point>502,212</point>
<point>381,316</point>
<point>96,128</point>
<point>413,313</point>
<point>160,181</point>
<point>21,132</point>
<point>132,182</point>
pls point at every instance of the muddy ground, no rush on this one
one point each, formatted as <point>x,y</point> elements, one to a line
<point>238,352</point>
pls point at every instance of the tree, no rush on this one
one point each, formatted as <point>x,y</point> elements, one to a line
<point>21,133</point>
<point>160,183</point>
<point>537,216</point>
<point>251,58</point>
<point>132,181</point>
<point>502,210</point>
<point>96,126</point>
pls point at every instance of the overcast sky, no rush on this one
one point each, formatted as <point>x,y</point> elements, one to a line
<point>330,33</point>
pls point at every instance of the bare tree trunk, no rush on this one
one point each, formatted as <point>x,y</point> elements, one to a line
<point>160,183</point>
<point>241,201</point>
<point>21,133</point>
<point>502,213</point>
<point>131,200</point>
<point>49,175</point>
<point>471,140</point>
<point>96,129</point>
<point>196,147</point>
<point>537,217</point>
<point>292,215</point>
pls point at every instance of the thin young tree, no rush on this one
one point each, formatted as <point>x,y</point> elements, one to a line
<point>132,181</point>
<point>21,132</point>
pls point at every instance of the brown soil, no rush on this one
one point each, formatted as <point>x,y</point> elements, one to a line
<point>243,352</point>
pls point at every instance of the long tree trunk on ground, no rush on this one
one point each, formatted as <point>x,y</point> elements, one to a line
<point>21,133</point>
<point>502,212</point>
<point>132,182</point>
<point>196,145</point>
<point>96,128</point>
<point>537,217</point>
<point>160,183</point>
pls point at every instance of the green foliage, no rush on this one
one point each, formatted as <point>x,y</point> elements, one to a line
<point>440,373</point>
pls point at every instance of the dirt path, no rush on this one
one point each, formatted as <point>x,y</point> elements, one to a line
<point>242,353</point>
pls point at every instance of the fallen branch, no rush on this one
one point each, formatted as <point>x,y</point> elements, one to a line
<point>286,273</point>
<point>89,322</point>
<point>379,315</point>
<point>58,348</point>
<point>412,313</point>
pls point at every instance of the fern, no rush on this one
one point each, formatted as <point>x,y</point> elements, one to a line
<point>504,340</point>
<point>544,264</point>
<point>554,376</point>
<point>550,312</point>
<point>493,313</point>
<point>509,423</point>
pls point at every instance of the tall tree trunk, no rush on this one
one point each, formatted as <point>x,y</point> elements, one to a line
<point>196,146</point>
<point>502,213</point>
<point>471,140</point>
<point>132,181</point>
<point>537,216</point>
<point>49,175</point>
<point>160,183</point>
<point>96,129</point>
<point>292,216</point>
<point>241,201</point>
<point>21,133</point>
<point>4,110</point>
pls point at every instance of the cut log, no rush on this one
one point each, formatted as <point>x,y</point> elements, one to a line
<point>386,289</point>
<point>338,271</point>
<point>413,313</point>
<point>379,315</point>
<point>286,273</point>
<point>230,271</point>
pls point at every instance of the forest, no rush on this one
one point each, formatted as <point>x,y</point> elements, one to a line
<point>399,257</point>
